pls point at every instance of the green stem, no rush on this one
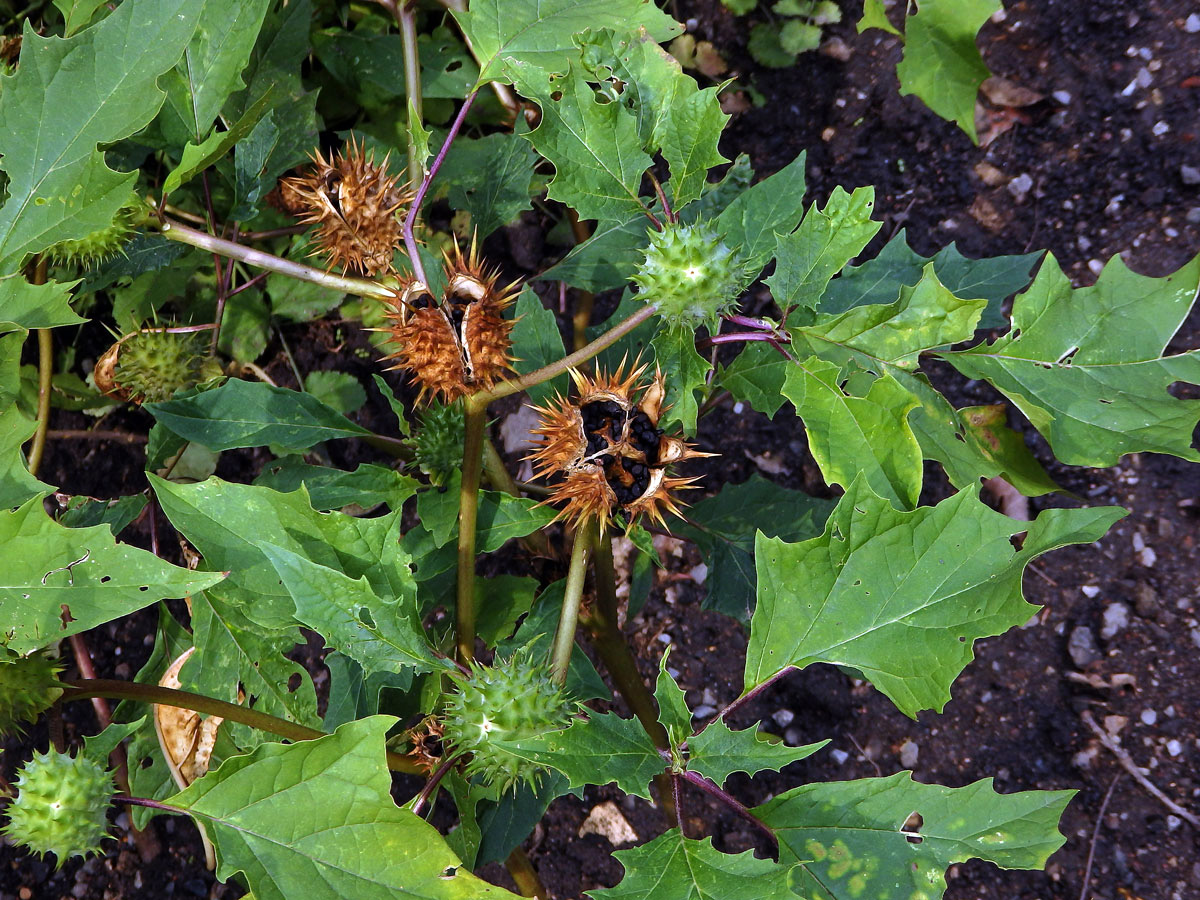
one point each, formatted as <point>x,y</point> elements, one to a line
<point>475,423</point>
<point>359,287</point>
<point>45,377</point>
<point>87,688</point>
<point>524,875</point>
<point>407,20</point>
<point>578,358</point>
<point>564,637</point>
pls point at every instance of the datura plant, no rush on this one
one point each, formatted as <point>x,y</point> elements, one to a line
<point>238,178</point>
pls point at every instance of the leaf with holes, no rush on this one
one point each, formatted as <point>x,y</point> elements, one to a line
<point>893,838</point>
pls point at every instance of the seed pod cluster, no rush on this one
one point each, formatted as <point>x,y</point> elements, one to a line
<point>355,204</point>
<point>457,345</point>
<point>608,451</point>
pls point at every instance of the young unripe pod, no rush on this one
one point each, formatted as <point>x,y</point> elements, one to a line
<point>510,701</point>
<point>438,442</point>
<point>28,687</point>
<point>690,274</point>
<point>150,365</point>
<point>103,243</point>
<point>61,806</point>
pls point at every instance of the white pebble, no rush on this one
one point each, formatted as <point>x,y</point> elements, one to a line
<point>1173,822</point>
<point>1148,557</point>
<point>1174,747</point>
<point>783,717</point>
<point>1149,717</point>
<point>1090,590</point>
<point>908,754</point>
<point>665,639</point>
<point>1160,128</point>
<point>839,756</point>
<point>738,408</point>
<point>1192,24</point>
<point>703,711</point>
<point>1063,97</point>
<point>1116,617</point>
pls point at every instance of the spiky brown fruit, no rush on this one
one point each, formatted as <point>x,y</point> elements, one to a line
<point>608,450</point>
<point>460,345</point>
<point>355,204</point>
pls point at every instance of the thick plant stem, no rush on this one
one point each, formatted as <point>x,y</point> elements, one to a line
<point>359,287</point>
<point>614,650</point>
<point>410,239</point>
<point>525,875</point>
<point>568,619</point>
<point>406,20</point>
<point>475,423</point>
<point>87,688</point>
<point>545,373</point>
<point>45,375</point>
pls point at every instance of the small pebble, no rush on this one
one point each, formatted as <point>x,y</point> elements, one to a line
<point>839,756</point>
<point>1116,617</point>
<point>908,754</point>
<point>1192,24</point>
<point>1149,717</point>
<point>793,738</point>
<point>1090,590</point>
<point>1020,185</point>
<point>1190,174</point>
<point>1173,822</point>
<point>783,717</point>
<point>703,711</point>
<point>1174,748</point>
<point>665,639</point>
<point>1160,128</point>
<point>1082,646</point>
<point>1193,215</point>
<point>1063,97</point>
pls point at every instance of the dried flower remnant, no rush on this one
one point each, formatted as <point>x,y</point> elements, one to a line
<point>609,451</point>
<point>355,203</point>
<point>462,344</point>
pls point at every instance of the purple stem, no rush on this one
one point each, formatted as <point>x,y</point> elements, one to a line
<point>751,322</point>
<point>717,793</point>
<point>751,694</point>
<point>738,337</point>
<point>676,793</point>
<point>431,785</point>
<point>248,284</point>
<point>410,241</point>
<point>141,801</point>
<point>782,352</point>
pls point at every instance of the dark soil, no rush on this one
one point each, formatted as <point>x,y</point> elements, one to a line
<point>1089,171</point>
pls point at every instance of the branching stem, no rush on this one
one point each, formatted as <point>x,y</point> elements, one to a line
<point>698,780</point>
<point>87,688</point>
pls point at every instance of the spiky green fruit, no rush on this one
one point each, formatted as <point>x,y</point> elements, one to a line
<point>61,806</point>
<point>103,243</point>
<point>510,701</point>
<point>691,275</point>
<point>439,441</point>
<point>150,366</point>
<point>28,687</point>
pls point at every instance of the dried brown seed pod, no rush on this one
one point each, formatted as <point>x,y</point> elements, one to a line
<point>355,204</point>
<point>463,343</point>
<point>609,451</point>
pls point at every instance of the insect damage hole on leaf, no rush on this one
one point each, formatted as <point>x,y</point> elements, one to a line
<point>911,829</point>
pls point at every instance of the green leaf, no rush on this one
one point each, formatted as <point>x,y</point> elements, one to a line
<point>756,377</point>
<point>941,63</point>
<point>673,115</point>
<point>755,218</point>
<point>16,484</point>
<point>299,301</point>
<point>849,435</point>
<point>672,867</point>
<point>500,517</point>
<point>902,596</point>
<point>606,259</point>
<point>82,512</point>
<point>244,414</point>
<point>381,636</point>
<point>673,712</point>
<point>24,306</point>
<point>536,341</point>
<point>685,371</point>
<point>766,47</point>
<point>245,326</point>
<point>858,839</point>
<point>226,522</point>
<point>97,747</point>
<point>365,488</point>
<point>59,581</point>
<point>448,71</point>
<point>973,442</point>
<point>724,526</point>
<point>541,32</point>
<point>926,316</point>
<point>808,258</point>
<point>197,157</point>
<point>874,16</point>
<point>235,654</point>
<point>490,177</point>
<point>51,119</point>
<point>499,602</point>
<point>76,13</point>
<point>993,278</point>
<point>212,65</point>
<point>337,390</point>
<point>603,748</point>
<point>1086,366</point>
<point>350,841</point>
<point>718,751</point>
<point>594,146</point>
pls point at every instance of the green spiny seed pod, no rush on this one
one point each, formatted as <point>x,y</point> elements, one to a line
<point>691,274</point>
<point>61,806</point>
<point>439,441</point>
<point>28,687</point>
<point>103,243</point>
<point>509,701</point>
<point>149,366</point>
